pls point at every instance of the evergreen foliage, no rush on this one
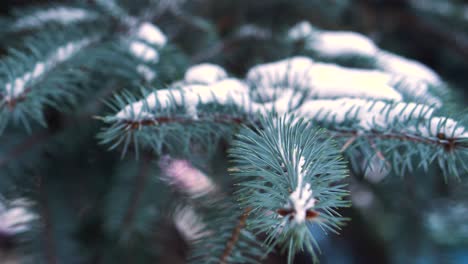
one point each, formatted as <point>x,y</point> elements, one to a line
<point>129,129</point>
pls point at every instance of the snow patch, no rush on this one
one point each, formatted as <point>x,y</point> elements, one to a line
<point>63,15</point>
<point>205,73</point>
<point>333,43</point>
<point>340,43</point>
<point>151,34</point>
<point>301,30</point>
<point>367,114</point>
<point>301,199</point>
<point>399,65</point>
<point>189,224</point>
<point>223,92</point>
<point>144,51</point>
<point>15,218</point>
<point>146,72</point>
<point>321,80</point>
<point>441,125</point>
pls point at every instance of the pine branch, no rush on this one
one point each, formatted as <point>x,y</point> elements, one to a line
<point>295,183</point>
<point>37,76</point>
<point>31,18</point>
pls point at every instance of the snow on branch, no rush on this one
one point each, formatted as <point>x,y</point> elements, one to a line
<point>17,87</point>
<point>144,45</point>
<point>322,80</point>
<point>301,200</point>
<point>367,113</point>
<point>289,174</point>
<point>189,96</point>
<point>361,99</point>
<point>189,224</point>
<point>15,217</point>
<point>62,14</point>
<point>335,44</point>
<point>147,38</point>
<point>205,73</point>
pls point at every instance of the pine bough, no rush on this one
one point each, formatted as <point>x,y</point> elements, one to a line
<point>291,125</point>
<point>290,175</point>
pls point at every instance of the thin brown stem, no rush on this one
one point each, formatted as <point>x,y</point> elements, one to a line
<point>348,143</point>
<point>235,236</point>
<point>222,119</point>
<point>442,140</point>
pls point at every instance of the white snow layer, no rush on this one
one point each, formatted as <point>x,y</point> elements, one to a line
<point>144,51</point>
<point>151,34</point>
<point>189,224</point>
<point>447,126</point>
<point>333,43</point>
<point>301,199</point>
<point>205,73</point>
<point>16,88</point>
<point>15,218</point>
<point>63,15</point>
<point>339,43</point>
<point>322,80</point>
<point>146,72</point>
<point>142,47</point>
<point>223,92</point>
<point>399,65</point>
<point>301,30</point>
<point>369,114</point>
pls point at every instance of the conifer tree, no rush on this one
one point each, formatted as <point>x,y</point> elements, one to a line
<point>176,131</point>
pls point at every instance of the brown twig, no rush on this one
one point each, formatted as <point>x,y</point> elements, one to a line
<point>235,236</point>
<point>223,119</point>
<point>348,143</point>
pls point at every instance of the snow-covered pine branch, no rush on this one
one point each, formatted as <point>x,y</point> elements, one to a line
<point>144,44</point>
<point>38,75</point>
<point>56,14</point>
<point>15,217</point>
<point>322,80</point>
<point>17,87</point>
<point>290,176</point>
<point>381,109</point>
<point>351,103</point>
<point>336,44</point>
<point>189,224</point>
